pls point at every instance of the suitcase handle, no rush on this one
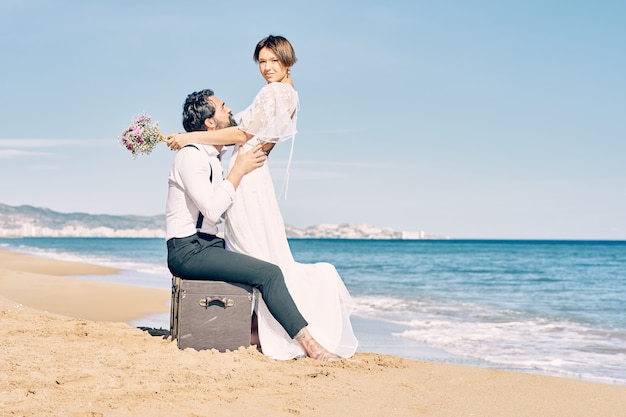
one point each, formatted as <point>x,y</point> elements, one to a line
<point>226,302</point>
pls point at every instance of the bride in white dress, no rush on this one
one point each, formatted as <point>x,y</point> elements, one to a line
<point>254,224</point>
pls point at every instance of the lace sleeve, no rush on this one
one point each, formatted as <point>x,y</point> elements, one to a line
<point>272,115</point>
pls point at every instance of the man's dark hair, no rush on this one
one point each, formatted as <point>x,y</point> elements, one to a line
<point>197,109</point>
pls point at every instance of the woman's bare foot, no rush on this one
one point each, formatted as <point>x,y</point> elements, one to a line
<point>313,349</point>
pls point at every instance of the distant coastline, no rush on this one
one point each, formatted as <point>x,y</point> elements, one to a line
<point>29,221</point>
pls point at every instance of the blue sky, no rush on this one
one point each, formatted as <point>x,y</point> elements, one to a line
<point>470,119</point>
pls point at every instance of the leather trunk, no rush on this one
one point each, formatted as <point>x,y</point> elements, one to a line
<point>210,314</point>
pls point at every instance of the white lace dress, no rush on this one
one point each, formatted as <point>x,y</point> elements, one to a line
<point>254,226</point>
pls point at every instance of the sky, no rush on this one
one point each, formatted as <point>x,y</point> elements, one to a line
<point>465,119</point>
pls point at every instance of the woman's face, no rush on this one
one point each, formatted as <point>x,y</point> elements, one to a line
<point>270,66</point>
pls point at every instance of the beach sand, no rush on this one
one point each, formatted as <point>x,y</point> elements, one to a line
<point>67,350</point>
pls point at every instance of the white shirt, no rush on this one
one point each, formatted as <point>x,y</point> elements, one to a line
<point>191,191</point>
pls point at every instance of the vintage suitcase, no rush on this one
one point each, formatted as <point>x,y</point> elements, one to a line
<point>210,314</point>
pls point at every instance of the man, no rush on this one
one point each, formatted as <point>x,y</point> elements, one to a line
<point>197,190</point>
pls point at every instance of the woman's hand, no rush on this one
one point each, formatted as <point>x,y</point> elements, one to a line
<point>176,141</point>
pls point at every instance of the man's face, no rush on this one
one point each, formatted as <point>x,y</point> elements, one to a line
<point>223,114</point>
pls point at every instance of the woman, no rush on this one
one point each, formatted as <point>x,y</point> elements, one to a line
<point>254,224</point>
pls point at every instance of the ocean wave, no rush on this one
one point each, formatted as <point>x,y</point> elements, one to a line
<point>507,339</point>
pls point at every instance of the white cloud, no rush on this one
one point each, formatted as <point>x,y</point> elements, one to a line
<point>13,153</point>
<point>334,131</point>
<point>50,143</point>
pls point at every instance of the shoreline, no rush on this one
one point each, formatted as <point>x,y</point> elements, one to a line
<point>47,285</point>
<point>375,334</point>
<point>61,362</point>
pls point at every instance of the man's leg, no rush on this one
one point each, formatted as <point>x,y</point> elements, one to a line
<point>203,259</point>
<point>271,282</point>
<point>194,258</point>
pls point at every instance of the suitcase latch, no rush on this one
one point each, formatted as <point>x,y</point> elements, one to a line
<point>226,302</point>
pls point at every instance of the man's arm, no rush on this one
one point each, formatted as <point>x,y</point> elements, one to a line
<point>211,200</point>
<point>246,162</point>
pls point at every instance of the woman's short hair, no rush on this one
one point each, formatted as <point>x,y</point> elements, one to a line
<point>280,46</point>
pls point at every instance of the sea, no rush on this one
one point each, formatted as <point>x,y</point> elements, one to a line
<point>545,307</point>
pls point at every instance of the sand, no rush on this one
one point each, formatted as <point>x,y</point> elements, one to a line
<point>67,350</point>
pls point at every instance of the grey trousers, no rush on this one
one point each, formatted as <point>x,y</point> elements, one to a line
<point>202,256</point>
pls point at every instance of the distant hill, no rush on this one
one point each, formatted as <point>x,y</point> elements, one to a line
<point>29,221</point>
<point>37,221</point>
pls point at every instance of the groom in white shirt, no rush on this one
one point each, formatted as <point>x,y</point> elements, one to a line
<point>197,189</point>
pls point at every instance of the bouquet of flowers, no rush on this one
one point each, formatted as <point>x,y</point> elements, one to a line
<point>141,136</point>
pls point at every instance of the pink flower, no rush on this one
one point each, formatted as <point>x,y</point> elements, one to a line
<point>141,136</point>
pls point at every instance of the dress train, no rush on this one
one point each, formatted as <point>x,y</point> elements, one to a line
<point>254,226</point>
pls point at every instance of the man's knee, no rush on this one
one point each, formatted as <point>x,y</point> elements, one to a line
<point>270,273</point>
<point>274,271</point>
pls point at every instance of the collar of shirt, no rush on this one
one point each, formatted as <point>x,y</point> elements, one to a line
<point>211,150</point>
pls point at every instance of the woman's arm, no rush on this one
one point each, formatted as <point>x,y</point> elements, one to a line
<point>267,147</point>
<point>227,136</point>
